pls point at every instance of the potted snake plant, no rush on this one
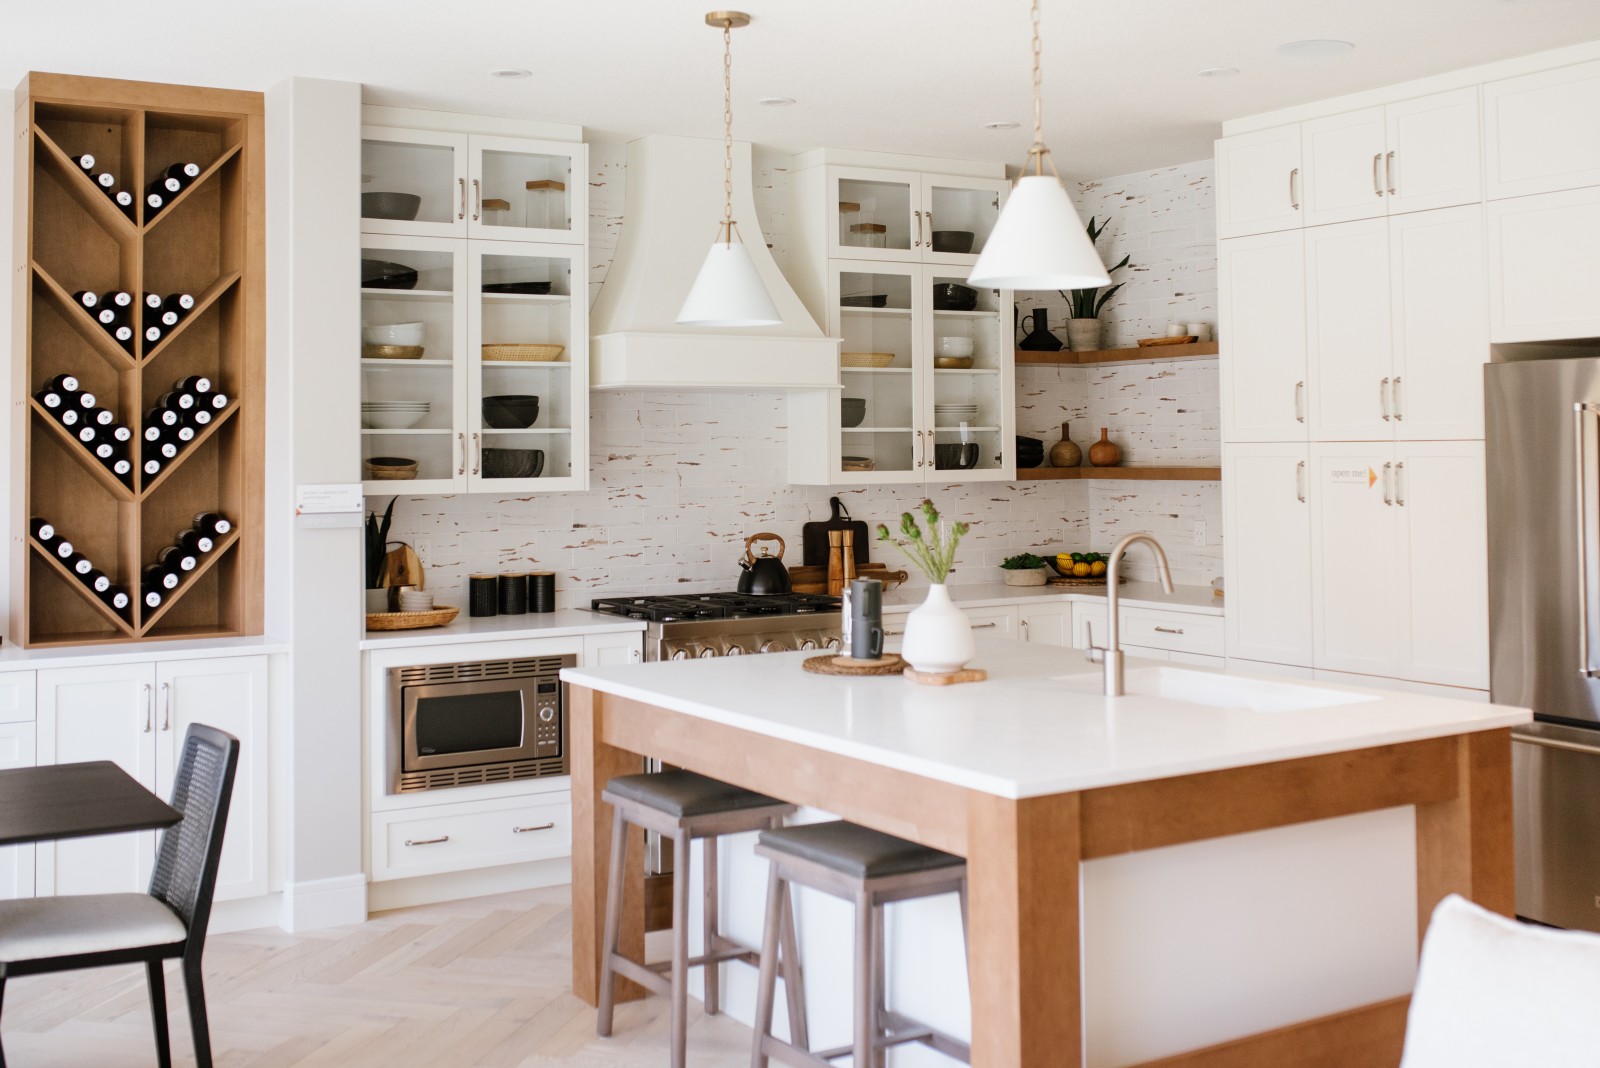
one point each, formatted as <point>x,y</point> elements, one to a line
<point>1085,305</point>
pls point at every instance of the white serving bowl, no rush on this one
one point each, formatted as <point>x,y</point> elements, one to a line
<point>392,334</point>
<point>955,346</point>
<point>392,420</point>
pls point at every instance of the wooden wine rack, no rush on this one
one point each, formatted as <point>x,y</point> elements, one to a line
<point>208,240</point>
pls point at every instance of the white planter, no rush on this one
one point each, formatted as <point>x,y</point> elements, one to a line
<point>938,634</point>
<point>1083,334</point>
<point>1028,576</point>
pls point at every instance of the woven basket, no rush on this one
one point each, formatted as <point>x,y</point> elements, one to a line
<point>521,353</point>
<point>438,617</point>
<point>866,359</point>
<point>390,472</point>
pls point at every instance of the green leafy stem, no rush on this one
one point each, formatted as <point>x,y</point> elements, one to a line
<point>933,553</point>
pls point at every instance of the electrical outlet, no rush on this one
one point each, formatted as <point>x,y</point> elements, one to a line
<point>1199,532</point>
<point>424,550</point>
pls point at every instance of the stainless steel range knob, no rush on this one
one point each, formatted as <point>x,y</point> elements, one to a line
<point>774,645</point>
<point>680,654</point>
<point>732,649</point>
<point>835,644</point>
<point>707,652</point>
<point>808,643</point>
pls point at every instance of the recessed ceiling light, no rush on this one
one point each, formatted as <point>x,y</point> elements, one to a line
<point>1001,125</point>
<point>1314,47</point>
<point>1219,72</point>
<point>510,72</point>
<point>776,101</point>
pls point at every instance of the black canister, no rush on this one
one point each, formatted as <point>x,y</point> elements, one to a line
<point>483,595</point>
<point>866,619</point>
<point>513,595</point>
<point>542,591</point>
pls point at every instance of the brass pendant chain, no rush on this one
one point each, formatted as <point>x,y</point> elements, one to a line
<point>727,131</point>
<point>1038,154</point>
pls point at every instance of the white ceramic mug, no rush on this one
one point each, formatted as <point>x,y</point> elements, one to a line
<point>1176,330</point>
<point>1201,331</point>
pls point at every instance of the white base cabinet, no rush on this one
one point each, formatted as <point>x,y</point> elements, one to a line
<point>1153,633</point>
<point>1045,624</point>
<point>135,715</point>
<point>16,751</point>
<point>1267,552</point>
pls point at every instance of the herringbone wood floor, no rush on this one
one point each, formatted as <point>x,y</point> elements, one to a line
<point>466,983</point>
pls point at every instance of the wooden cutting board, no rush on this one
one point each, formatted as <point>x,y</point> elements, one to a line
<point>815,579</point>
<point>814,538</point>
<point>401,567</point>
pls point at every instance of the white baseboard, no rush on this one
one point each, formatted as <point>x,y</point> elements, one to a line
<point>317,903</point>
<point>246,914</point>
<point>429,889</point>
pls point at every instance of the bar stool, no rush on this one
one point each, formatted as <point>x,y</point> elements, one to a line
<point>681,806</point>
<point>871,869</point>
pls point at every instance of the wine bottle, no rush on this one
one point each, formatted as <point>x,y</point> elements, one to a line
<point>108,315</point>
<point>42,531</point>
<point>121,435</point>
<point>78,564</point>
<point>155,576</point>
<point>176,400</point>
<point>218,401</point>
<point>118,599</point>
<point>168,449</point>
<point>179,302</point>
<point>162,417</point>
<point>68,415</point>
<point>103,416</point>
<point>174,558</point>
<point>98,581</point>
<point>152,334</point>
<point>152,467</point>
<point>183,173</point>
<point>117,298</point>
<point>53,399</point>
<point>152,302</point>
<point>153,200</point>
<point>170,180</point>
<point>193,541</point>
<point>168,319</point>
<point>123,333</point>
<point>185,433</point>
<point>152,598</point>
<point>199,417</point>
<point>124,200</point>
<point>88,433</point>
<point>85,299</point>
<point>122,468</point>
<point>194,384</point>
<point>212,524</point>
<point>105,450</point>
<point>62,548</point>
<point>85,400</point>
<point>105,180</point>
<point>86,161</point>
<point>66,383</point>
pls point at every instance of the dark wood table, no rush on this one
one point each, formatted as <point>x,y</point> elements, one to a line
<point>75,801</point>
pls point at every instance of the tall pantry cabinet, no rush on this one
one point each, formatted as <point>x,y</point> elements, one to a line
<point>1354,328</point>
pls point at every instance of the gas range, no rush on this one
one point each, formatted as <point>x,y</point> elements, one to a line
<point>691,626</point>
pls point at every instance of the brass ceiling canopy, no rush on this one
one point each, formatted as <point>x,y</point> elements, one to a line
<point>727,20</point>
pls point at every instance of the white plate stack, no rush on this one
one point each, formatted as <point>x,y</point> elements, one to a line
<point>415,601</point>
<point>393,415</point>
<point>955,414</point>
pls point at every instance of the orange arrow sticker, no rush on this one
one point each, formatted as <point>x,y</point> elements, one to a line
<point>1372,477</point>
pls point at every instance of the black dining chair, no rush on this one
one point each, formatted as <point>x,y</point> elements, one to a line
<point>57,934</point>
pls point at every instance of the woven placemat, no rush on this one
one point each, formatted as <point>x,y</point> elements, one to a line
<point>831,664</point>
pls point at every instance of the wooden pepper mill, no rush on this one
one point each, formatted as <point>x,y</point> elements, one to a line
<point>1104,453</point>
<point>841,560</point>
<point>1065,453</point>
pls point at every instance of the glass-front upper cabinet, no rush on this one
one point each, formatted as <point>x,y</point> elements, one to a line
<point>876,311</point>
<point>970,409</point>
<point>437,184</point>
<point>896,215</point>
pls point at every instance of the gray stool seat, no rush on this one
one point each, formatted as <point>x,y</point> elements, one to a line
<point>856,851</point>
<point>685,793</point>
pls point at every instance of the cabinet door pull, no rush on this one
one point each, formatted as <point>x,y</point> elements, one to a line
<point>1300,481</point>
<point>1383,399</point>
<point>477,200</point>
<point>1169,630</point>
<point>985,626</point>
<point>535,827</point>
<point>1388,475</point>
<point>462,214</point>
<point>427,841</point>
<point>1394,399</point>
<point>149,708</point>
<point>918,242</point>
<point>1294,201</point>
<point>927,218</point>
<point>462,438</point>
<point>166,706</point>
<point>477,461</point>
<point>1388,170</point>
<point>1300,401</point>
<point>1399,485</point>
<point>1023,623</point>
<point>1377,184</point>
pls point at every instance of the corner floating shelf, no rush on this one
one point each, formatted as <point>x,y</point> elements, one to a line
<point>1197,351</point>
<point>1138,474</point>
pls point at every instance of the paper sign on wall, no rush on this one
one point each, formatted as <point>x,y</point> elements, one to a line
<point>1353,476</point>
<point>322,500</point>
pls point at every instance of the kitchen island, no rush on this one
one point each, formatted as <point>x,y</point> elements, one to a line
<point>1037,779</point>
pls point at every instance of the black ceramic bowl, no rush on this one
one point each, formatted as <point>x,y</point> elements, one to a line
<point>948,296</point>
<point>852,410</point>
<point>957,241</point>
<point>510,411</point>
<point>381,274</point>
<point>402,206</point>
<point>956,456</point>
<point>513,463</point>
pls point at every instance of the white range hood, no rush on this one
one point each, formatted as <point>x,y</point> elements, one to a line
<point>673,205</point>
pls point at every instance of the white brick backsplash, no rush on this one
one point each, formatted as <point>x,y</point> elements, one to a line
<point>680,479</point>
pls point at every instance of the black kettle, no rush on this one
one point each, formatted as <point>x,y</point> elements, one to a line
<point>765,574</point>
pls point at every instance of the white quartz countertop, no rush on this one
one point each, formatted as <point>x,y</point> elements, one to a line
<point>16,658</point>
<point>464,628</point>
<point>1039,725</point>
<point>1196,599</point>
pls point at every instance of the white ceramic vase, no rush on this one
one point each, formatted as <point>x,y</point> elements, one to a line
<point>938,635</point>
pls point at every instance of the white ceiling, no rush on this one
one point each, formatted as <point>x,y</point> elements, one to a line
<point>915,76</point>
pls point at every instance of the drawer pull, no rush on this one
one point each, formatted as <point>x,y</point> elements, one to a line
<point>427,841</point>
<point>893,633</point>
<point>1169,630</point>
<point>535,827</point>
<point>985,626</point>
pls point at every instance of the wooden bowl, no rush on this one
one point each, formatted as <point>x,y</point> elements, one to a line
<point>389,469</point>
<point>391,352</point>
<point>953,363</point>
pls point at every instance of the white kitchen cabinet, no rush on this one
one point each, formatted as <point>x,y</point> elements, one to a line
<point>892,215</point>
<point>473,834</point>
<point>886,314</point>
<point>1259,182</point>
<point>1344,167</point>
<point>17,751</point>
<point>1045,624</point>
<point>1145,631</point>
<point>454,445</point>
<point>1539,131</point>
<point>134,715</point>
<point>1398,549</point>
<point>1262,321</point>
<point>472,185</point>
<point>1266,545</point>
<point>607,650</point>
<point>1544,256</point>
<point>994,620</point>
<point>1396,332</point>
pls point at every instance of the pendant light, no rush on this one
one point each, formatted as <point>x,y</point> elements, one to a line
<point>1038,242</point>
<point>728,291</point>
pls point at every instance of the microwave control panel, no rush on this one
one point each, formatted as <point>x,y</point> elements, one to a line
<point>547,720</point>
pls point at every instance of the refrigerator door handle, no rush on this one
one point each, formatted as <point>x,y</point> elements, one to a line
<point>1586,437</point>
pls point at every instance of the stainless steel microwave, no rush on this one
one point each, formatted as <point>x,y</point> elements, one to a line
<point>481,722</point>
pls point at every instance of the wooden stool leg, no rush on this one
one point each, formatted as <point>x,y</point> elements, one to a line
<point>961,895</point>
<point>608,974</point>
<point>680,950</point>
<point>794,986</point>
<point>880,979</point>
<point>863,1014</point>
<point>713,969</point>
<point>767,981</point>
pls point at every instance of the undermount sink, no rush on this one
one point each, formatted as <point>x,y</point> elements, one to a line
<point>1220,691</point>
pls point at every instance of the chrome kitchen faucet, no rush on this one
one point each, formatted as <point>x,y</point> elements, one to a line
<point>1111,654</point>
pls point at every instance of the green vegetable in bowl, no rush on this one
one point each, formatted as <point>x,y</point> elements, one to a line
<point>1023,562</point>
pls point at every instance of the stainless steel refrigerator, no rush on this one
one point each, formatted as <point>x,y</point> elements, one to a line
<point>1542,448</point>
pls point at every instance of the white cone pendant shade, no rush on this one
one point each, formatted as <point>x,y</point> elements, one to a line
<point>1039,242</point>
<point>728,291</point>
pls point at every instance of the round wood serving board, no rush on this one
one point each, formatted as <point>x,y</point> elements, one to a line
<point>830,664</point>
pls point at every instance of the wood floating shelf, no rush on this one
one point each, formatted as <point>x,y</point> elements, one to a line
<point>207,240</point>
<point>1195,351</point>
<point>1146,474</point>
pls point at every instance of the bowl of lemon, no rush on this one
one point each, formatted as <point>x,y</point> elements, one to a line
<point>1090,567</point>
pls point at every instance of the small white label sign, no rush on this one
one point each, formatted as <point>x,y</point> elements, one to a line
<point>1353,476</point>
<point>323,500</point>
